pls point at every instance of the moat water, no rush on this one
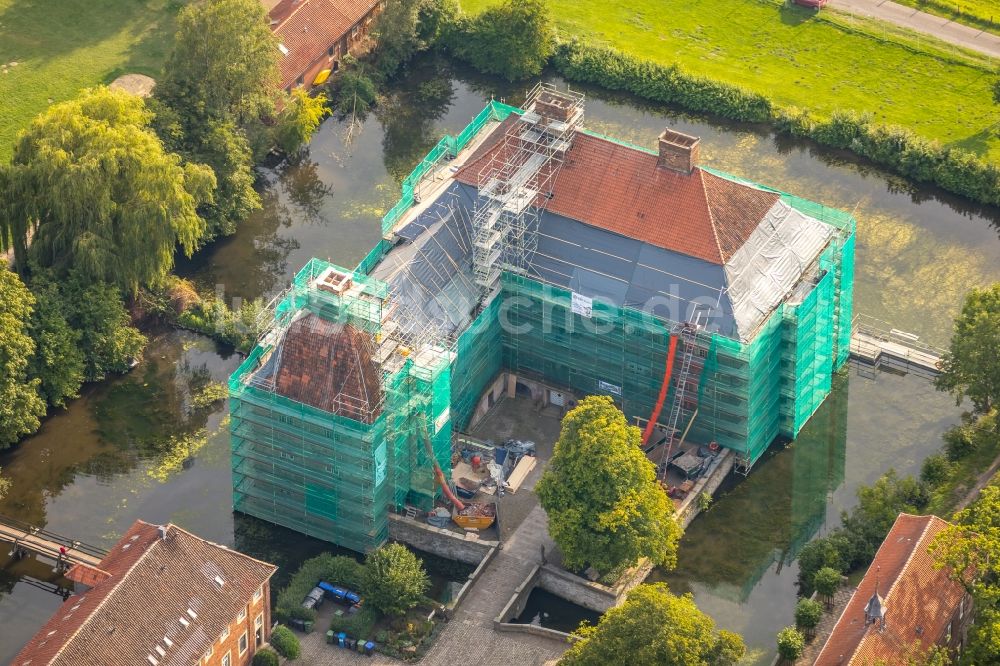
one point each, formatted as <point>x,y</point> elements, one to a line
<point>134,447</point>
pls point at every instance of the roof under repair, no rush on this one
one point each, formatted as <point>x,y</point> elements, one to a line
<point>622,225</point>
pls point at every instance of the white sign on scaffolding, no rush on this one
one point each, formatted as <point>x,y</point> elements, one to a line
<point>609,387</point>
<point>582,305</point>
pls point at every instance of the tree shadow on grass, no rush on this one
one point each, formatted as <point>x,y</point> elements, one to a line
<point>794,15</point>
<point>43,30</point>
<point>979,142</point>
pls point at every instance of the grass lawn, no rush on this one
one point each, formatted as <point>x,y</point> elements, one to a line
<point>983,14</point>
<point>63,46</point>
<point>821,62</point>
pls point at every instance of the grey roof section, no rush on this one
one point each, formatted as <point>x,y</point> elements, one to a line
<point>430,270</point>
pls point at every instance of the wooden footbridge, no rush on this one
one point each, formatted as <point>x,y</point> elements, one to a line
<point>875,345</point>
<point>26,539</point>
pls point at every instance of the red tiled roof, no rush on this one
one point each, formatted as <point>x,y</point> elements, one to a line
<point>308,28</point>
<point>622,189</point>
<point>330,366</point>
<point>151,584</point>
<point>914,593</point>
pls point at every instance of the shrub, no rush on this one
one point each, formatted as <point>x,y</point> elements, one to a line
<point>959,442</point>
<point>356,625</point>
<point>266,657</point>
<point>936,469</point>
<point>285,642</point>
<point>704,501</point>
<point>395,580</point>
<point>662,83</point>
<point>336,570</point>
<point>808,614</point>
<point>791,642</point>
<point>827,581</point>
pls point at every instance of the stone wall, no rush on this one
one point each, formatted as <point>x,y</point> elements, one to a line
<point>514,607</point>
<point>706,484</point>
<point>582,592</point>
<point>438,540</point>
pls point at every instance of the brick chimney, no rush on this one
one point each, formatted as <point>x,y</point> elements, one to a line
<point>678,152</point>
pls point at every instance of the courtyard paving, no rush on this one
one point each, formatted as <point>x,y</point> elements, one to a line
<point>469,635</point>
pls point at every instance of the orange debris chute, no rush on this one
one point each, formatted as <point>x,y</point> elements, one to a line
<point>664,388</point>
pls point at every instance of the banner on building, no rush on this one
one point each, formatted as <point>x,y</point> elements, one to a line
<point>582,305</point>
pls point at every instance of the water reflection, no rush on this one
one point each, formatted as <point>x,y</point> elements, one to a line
<point>773,512</point>
<point>136,448</point>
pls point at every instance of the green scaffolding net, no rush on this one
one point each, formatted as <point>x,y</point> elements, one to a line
<point>322,473</point>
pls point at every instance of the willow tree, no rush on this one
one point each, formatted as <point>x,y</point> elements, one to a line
<point>93,187</point>
<point>20,406</point>
<point>605,507</point>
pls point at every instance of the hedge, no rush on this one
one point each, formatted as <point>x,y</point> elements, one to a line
<point>612,69</point>
<point>285,643</point>
<point>266,657</point>
<point>334,569</point>
<point>894,148</point>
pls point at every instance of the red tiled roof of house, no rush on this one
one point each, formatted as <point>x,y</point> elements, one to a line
<point>330,365</point>
<point>623,189</point>
<point>152,583</point>
<point>915,595</point>
<point>308,28</point>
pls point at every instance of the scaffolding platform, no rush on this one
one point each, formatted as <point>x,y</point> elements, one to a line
<point>874,343</point>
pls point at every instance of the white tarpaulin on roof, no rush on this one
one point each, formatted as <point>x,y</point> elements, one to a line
<point>769,265</point>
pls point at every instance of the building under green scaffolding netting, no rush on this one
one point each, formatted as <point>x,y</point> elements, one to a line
<point>530,256</point>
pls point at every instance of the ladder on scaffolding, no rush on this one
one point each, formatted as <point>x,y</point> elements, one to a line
<point>689,340</point>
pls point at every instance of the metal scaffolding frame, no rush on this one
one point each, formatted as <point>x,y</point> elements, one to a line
<point>516,183</point>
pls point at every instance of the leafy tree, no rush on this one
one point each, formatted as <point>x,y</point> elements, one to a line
<point>970,551</point>
<point>406,27</point>
<point>807,615</point>
<point>58,360</point>
<point>791,643</point>
<point>100,193</point>
<point>655,628</point>
<point>285,642</point>
<point>395,580</point>
<point>356,93</point>
<point>971,366</point>
<point>826,581</point>
<point>223,64</point>
<point>300,116</point>
<point>109,343</point>
<point>216,99</point>
<point>513,40</point>
<point>20,406</point>
<point>605,506</point>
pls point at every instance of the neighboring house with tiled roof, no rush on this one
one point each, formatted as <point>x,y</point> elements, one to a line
<point>315,35</point>
<point>903,606</point>
<point>161,596</point>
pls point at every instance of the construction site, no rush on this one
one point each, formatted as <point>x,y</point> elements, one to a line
<point>529,256</point>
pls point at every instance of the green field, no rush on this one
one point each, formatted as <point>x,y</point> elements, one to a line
<point>820,62</point>
<point>63,46</point>
<point>983,14</point>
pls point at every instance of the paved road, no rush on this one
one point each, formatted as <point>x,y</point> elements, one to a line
<point>907,17</point>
